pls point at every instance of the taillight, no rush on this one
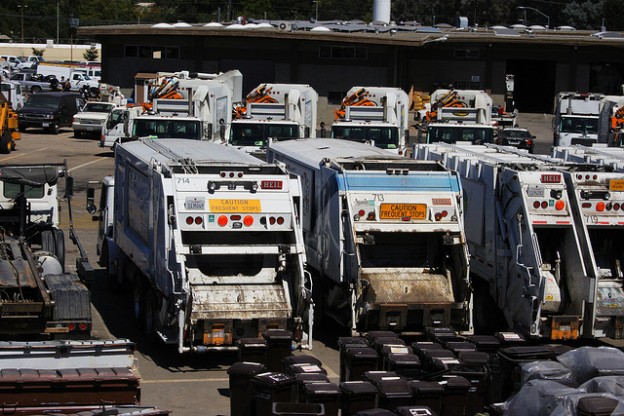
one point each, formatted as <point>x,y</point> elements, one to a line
<point>198,220</point>
<point>280,220</point>
<point>600,206</point>
<point>71,326</point>
<point>189,220</point>
<point>559,205</point>
<point>248,221</point>
<point>536,204</point>
<point>222,221</point>
<point>83,326</point>
<point>544,204</point>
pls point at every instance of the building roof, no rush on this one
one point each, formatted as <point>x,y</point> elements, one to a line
<point>356,32</point>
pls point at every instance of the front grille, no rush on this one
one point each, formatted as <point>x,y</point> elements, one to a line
<point>583,141</point>
<point>34,117</point>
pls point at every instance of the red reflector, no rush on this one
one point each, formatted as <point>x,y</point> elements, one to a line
<point>231,174</point>
<point>198,220</point>
<point>595,177</point>
<point>222,221</point>
<point>586,205</point>
<point>559,205</point>
<point>271,184</point>
<point>71,326</point>
<point>616,206</point>
<point>551,178</point>
<point>83,327</point>
<point>536,204</point>
<point>235,217</point>
<point>544,204</point>
<point>248,221</point>
<point>444,214</point>
<point>222,174</point>
<point>600,206</point>
<point>240,174</point>
<point>406,218</point>
<point>280,220</point>
<point>189,220</point>
<point>271,220</point>
<point>361,213</point>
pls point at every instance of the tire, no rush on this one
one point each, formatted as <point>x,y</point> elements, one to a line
<point>35,89</point>
<point>53,242</point>
<point>47,241</point>
<point>77,134</point>
<point>6,143</point>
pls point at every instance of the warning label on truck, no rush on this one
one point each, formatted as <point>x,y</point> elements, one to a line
<point>396,211</point>
<point>235,205</point>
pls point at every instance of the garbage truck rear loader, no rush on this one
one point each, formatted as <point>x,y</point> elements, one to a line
<point>384,236</point>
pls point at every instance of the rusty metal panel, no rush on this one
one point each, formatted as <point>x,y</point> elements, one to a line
<point>240,302</point>
<point>406,286</point>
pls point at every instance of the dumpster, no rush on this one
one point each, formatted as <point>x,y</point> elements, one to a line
<point>252,350</point>
<point>279,346</point>
<point>427,393</point>
<point>356,396</point>
<point>454,396</point>
<point>269,388</point>
<point>296,409</point>
<point>326,393</point>
<point>241,389</point>
<point>358,361</point>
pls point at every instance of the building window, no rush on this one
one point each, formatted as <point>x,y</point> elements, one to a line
<point>351,53</point>
<point>466,54</point>
<point>153,52</point>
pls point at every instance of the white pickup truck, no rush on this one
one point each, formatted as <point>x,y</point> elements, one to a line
<point>92,118</point>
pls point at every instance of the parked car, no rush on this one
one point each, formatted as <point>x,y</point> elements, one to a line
<point>517,137</point>
<point>50,111</point>
<point>92,118</point>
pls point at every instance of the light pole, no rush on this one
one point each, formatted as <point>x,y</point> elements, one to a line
<point>525,8</point>
<point>316,4</point>
<point>57,23</point>
<point>22,7</point>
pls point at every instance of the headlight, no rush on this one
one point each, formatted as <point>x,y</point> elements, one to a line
<point>49,116</point>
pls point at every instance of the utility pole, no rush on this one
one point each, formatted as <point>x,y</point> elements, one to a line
<point>22,7</point>
<point>57,23</point>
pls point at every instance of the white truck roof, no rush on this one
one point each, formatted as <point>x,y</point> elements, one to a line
<point>313,151</point>
<point>169,151</point>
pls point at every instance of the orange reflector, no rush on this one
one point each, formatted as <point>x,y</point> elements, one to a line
<point>248,221</point>
<point>559,205</point>
<point>600,206</point>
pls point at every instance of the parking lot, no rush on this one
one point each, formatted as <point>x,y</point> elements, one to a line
<point>186,385</point>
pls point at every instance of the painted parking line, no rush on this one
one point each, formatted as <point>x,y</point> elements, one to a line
<point>22,154</point>
<point>86,164</point>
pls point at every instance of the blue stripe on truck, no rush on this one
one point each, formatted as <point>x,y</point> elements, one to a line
<point>412,182</point>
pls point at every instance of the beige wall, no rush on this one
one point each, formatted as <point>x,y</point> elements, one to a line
<point>52,52</point>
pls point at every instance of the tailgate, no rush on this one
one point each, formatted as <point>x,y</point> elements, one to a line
<point>407,286</point>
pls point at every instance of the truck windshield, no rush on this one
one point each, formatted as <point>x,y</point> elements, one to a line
<point>578,125</point>
<point>247,134</point>
<point>384,137</point>
<point>43,100</point>
<point>96,107</point>
<point>456,133</point>
<point>168,128</point>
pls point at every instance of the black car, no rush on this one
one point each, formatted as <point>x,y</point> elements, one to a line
<point>50,111</point>
<point>516,137</point>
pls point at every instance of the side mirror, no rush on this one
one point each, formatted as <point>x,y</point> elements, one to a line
<point>91,208</point>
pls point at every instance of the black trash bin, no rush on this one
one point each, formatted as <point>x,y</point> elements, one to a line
<point>279,346</point>
<point>252,350</point>
<point>371,336</point>
<point>455,393</point>
<point>511,358</point>
<point>241,389</point>
<point>306,378</point>
<point>357,396</point>
<point>304,368</point>
<point>439,361</point>
<point>375,412</point>
<point>376,375</point>
<point>269,388</point>
<point>490,345</point>
<point>407,366</point>
<point>300,359</point>
<point>358,361</point>
<point>427,393</point>
<point>596,406</point>
<point>326,393</point>
<point>416,411</point>
<point>381,343</point>
<point>344,343</point>
<point>393,392</point>
<point>474,368</point>
<point>420,347</point>
<point>297,409</point>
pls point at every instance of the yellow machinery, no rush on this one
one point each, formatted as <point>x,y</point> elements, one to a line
<point>8,126</point>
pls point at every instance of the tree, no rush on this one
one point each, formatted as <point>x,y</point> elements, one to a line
<point>38,52</point>
<point>91,54</point>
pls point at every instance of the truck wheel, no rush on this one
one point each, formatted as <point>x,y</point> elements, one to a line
<point>53,242</point>
<point>35,89</point>
<point>6,143</point>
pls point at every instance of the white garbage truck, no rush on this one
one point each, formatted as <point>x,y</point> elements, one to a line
<point>458,115</point>
<point>576,118</point>
<point>208,239</point>
<point>527,261</point>
<point>377,115</point>
<point>276,111</point>
<point>384,236</point>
